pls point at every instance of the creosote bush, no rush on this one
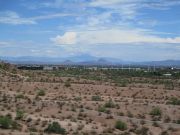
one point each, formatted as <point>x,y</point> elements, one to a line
<point>121,125</point>
<point>6,122</point>
<point>156,111</point>
<point>41,92</point>
<point>101,109</point>
<point>142,131</point>
<point>109,104</point>
<point>96,98</point>
<point>55,128</point>
<point>19,114</point>
<point>169,85</point>
<point>67,84</point>
<point>19,96</point>
<point>174,101</point>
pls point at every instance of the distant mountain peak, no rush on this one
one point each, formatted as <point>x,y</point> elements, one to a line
<point>68,61</point>
<point>84,59</point>
<point>102,60</point>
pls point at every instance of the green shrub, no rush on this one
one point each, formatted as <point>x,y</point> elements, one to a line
<point>164,133</point>
<point>169,85</point>
<point>5,122</point>
<point>120,125</point>
<point>102,109</point>
<point>96,98</point>
<point>142,131</point>
<point>174,101</point>
<point>109,104</point>
<point>122,84</point>
<point>15,125</point>
<point>155,124</point>
<point>156,111</point>
<point>19,114</point>
<point>19,96</point>
<point>77,98</point>
<point>178,121</point>
<point>67,84</point>
<point>33,129</point>
<point>41,92</point>
<point>55,128</point>
<point>129,114</point>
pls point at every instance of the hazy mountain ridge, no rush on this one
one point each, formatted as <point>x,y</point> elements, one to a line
<point>85,60</point>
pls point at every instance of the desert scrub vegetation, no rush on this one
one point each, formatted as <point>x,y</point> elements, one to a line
<point>142,131</point>
<point>121,82</point>
<point>156,111</point>
<point>41,92</point>
<point>164,133</point>
<point>6,122</point>
<point>4,66</point>
<point>77,98</point>
<point>18,96</point>
<point>103,109</point>
<point>67,84</point>
<point>56,128</point>
<point>169,85</point>
<point>96,98</point>
<point>109,104</point>
<point>19,114</point>
<point>174,101</point>
<point>120,125</point>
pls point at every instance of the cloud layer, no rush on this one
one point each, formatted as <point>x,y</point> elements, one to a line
<point>11,17</point>
<point>113,28</point>
<point>67,38</point>
<point>110,36</point>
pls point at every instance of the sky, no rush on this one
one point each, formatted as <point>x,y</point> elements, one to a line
<point>130,30</point>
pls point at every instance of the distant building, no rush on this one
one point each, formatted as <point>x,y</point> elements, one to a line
<point>167,75</point>
<point>47,68</point>
<point>92,68</point>
<point>61,68</point>
<point>30,67</point>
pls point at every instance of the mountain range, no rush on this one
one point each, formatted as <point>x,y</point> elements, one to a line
<point>84,59</point>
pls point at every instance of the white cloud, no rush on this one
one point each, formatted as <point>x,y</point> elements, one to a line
<point>4,43</point>
<point>67,38</point>
<point>105,3</point>
<point>148,22</point>
<point>115,36</point>
<point>99,20</point>
<point>50,16</point>
<point>126,8</point>
<point>111,36</point>
<point>158,4</point>
<point>10,17</point>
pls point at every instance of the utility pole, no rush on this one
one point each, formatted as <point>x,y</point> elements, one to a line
<point>148,68</point>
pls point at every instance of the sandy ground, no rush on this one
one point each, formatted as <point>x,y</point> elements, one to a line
<point>76,111</point>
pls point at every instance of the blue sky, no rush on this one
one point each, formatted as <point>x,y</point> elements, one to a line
<point>133,30</point>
